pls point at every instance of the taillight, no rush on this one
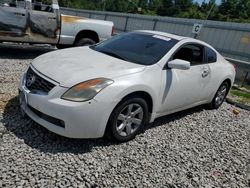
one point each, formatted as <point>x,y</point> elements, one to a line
<point>113,31</point>
<point>234,66</point>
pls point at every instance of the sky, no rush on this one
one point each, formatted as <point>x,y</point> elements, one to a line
<point>200,1</point>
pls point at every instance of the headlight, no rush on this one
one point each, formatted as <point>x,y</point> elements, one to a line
<point>23,76</point>
<point>86,90</point>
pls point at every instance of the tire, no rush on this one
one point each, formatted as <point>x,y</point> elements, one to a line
<point>220,96</point>
<point>84,42</point>
<point>22,112</point>
<point>127,119</point>
<point>61,46</point>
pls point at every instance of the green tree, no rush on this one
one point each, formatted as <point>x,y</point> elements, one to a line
<point>228,10</point>
<point>184,4</point>
<point>167,8</point>
<point>192,12</point>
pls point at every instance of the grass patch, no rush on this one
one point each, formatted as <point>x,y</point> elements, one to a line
<point>247,87</point>
<point>240,96</point>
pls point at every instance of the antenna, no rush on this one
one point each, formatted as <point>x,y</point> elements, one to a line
<point>212,7</point>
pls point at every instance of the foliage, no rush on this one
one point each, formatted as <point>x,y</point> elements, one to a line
<point>228,10</point>
<point>240,95</point>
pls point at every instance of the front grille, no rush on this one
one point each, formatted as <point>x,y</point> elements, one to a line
<point>37,84</point>
<point>48,118</point>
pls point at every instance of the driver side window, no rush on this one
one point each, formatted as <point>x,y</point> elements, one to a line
<point>13,3</point>
<point>44,6</point>
<point>193,53</point>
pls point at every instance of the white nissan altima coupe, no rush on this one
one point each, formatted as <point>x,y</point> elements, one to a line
<point>119,85</point>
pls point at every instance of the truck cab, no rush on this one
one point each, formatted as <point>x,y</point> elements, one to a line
<point>27,21</point>
<point>37,22</point>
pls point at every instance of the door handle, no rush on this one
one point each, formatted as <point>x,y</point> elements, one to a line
<point>205,73</point>
<point>51,18</point>
<point>19,14</point>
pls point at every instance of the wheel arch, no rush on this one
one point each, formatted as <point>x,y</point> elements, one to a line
<point>226,79</point>
<point>123,91</point>
<point>142,94</point>
<point>229,81</point>
<point>139,94</point>
<point>87,34</point>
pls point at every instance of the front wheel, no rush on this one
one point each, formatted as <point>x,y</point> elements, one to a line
<point>84,42</point>
<point>127,119</point>
<point>220,96</point>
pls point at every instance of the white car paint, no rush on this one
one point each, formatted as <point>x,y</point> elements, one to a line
<point>66,71</point>
<point>171,90</point>
<point>69,30</point>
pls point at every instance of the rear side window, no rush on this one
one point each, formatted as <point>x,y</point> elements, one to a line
<point>211,55</point>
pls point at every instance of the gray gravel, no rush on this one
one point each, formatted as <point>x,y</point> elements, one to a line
<point>194,148</point>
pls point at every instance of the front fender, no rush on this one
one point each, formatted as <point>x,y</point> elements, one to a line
<point>147,81</point>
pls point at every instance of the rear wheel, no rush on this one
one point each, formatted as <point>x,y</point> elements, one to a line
<point>84,42</point>
<point>127,119</point>
<point>220,96</point>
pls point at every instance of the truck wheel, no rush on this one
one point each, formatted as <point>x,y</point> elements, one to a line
<point>84,42</point>
<point>61,46</point>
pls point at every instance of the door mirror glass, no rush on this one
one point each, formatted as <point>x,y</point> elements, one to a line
<point>179,64</point>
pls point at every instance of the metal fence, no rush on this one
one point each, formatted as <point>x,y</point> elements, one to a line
<point>232,40</point>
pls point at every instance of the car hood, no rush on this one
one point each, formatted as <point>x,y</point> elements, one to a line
<point>75,65</point>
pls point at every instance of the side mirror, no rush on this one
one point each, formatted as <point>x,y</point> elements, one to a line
<point>179,64</point>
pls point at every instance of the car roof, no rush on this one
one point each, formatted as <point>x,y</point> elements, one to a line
<point>169,35</point>
<point>176,37</point>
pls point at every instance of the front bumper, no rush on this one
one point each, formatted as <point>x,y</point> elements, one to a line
<point>66,118</point>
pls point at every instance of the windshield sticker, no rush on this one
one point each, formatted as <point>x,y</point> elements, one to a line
<point>162,37</point>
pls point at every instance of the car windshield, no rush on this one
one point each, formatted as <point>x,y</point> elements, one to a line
<point>137,47</point>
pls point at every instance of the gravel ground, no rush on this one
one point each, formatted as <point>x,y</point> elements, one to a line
<point>194,148</point>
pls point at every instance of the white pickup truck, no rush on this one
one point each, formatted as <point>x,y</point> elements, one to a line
<point>36,23</point>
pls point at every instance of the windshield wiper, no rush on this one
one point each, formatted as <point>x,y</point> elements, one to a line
<point>112,54</point>
<point>92,46</point>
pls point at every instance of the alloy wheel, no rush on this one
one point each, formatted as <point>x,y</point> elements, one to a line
<point>221,94</point>
<point>129,119</point>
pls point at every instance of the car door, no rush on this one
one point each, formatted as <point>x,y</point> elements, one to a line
<point>13,21</point>
<point>44,22</point>
<point>215,71</point>
<point>185,88</point>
